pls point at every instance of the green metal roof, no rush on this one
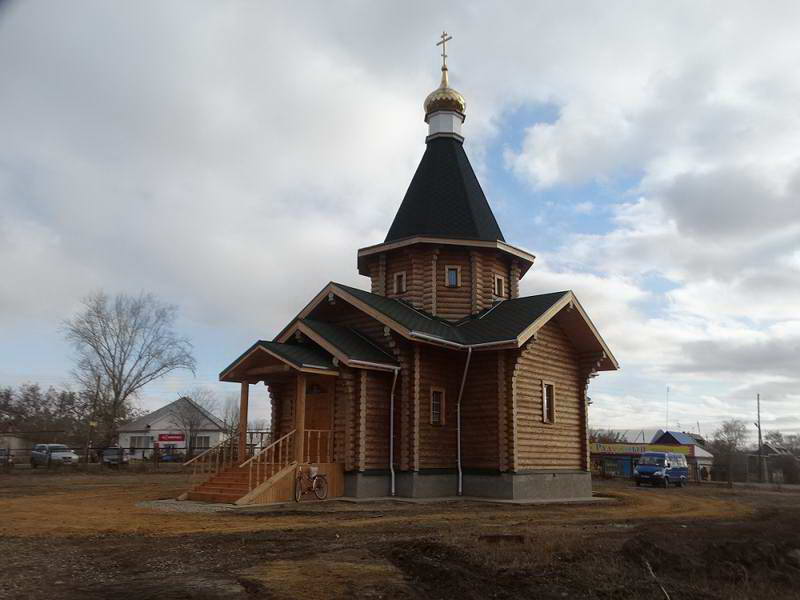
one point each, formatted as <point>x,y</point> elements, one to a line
<point>351,343</point>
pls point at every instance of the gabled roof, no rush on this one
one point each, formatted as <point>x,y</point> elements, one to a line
<point>507,324</point>
<point>181,404</point>
<point>303,357</point>
<point>676,437</point>
<point>348,343</point>
<point>774,448</point>
<point>445,198</point>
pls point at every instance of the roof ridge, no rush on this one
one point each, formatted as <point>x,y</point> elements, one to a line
<point>352,330</point>
<point>463,180</point>
<point>370,342</point>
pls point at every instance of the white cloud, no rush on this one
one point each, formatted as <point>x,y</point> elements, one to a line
<point>232,158</point>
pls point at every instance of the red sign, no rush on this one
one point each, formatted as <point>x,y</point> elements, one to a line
<point>170,437</point>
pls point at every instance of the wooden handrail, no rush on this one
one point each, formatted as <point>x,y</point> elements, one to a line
<point>270,460</point>
<point>263,450</point>
<point>322,450</point>
<point>202,454</point>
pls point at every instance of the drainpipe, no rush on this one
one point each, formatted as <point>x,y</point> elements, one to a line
<point>458,424</point>
<point>391,427</point>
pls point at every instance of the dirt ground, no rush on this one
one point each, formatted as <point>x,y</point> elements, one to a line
<point>65,536</point>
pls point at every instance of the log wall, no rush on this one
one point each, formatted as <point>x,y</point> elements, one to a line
<point>436,444</point>
<point>559,445</point>
<point>426,288</point>
<point>344,400</point>
<point>378,386</point>
<point>283,396</point>
<point>453,303</point>
<point>480,406</point>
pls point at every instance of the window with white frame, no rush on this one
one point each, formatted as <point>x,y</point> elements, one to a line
<point>548,402</point>
<point>452,276</point>
<point>202,441</point>
<point>437,406</point>
<point>499,286</point>
<point>140,442</point>
<point>400,282</point>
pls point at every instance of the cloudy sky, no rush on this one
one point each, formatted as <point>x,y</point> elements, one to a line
<point>231,157</point>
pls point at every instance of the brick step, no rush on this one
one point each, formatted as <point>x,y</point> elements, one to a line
<point>213,497</point>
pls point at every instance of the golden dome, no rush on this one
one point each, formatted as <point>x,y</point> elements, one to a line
<point>445,98</point>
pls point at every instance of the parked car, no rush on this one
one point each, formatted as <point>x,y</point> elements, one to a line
<point>116,456</point>
<point>661,468</point>
<point>172,457</point>
<point>52,455</point>
<point>6,459</point>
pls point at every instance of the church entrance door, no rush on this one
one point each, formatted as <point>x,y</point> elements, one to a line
<point>319,420</point>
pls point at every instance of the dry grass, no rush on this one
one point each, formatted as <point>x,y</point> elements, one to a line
<point>75,504</point>
<point>454,550</point>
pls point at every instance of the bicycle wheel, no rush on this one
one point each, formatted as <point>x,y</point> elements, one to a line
<point>320,487</point>
<point>298,489</point>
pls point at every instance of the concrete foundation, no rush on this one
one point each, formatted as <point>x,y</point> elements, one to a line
<point>532,485</point>
<point>367,484</point>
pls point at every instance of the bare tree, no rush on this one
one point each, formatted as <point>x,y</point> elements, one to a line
<point>193,413</point>
<point>230,415</point>
<point>774,438</point>
<point>730,438</point>
<point>125,342</point>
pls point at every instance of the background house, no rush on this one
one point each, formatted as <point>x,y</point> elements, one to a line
<point>14,441</point>
<point>697,457</point>
<point>180,427</point>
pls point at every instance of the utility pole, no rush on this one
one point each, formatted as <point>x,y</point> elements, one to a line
<point>760,448</point>
<point>667,426</point>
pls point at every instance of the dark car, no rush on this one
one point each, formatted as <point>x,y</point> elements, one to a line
<point>171,457</point>
<point>115,456</point>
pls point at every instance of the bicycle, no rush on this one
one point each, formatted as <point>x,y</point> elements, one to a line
<point>315,482</point>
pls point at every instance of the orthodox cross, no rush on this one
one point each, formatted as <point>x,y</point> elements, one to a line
<point>445,38</point>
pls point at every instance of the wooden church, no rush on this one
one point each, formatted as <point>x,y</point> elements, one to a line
<point>440,380</point>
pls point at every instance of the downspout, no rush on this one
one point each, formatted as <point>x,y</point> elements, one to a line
<point>391,427</point>
<point>458,418</point>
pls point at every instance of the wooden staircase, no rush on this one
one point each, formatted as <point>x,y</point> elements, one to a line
<point>230,485</point>
<point>220,476</point>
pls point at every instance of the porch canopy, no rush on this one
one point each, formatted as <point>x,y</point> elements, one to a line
<point>316,349</point>
<point>265,361</point>
<point>275,361</point>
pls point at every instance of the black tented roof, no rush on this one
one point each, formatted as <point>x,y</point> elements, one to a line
<point>445,198</point>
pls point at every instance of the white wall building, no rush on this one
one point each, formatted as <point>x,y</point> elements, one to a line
<point>171,428</point>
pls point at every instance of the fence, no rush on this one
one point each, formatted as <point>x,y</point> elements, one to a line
<point>257,440</point>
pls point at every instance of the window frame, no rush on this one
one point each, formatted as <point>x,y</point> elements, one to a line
<point>502,287</point>
<point>442,405</point>
<point>447,269</point>
<point>548,404</point>
<point>399,289</point>
<point>135,440</point>
<point>195,444</point>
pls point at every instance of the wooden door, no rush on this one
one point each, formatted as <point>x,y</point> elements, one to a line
<point>319,420</point>
<point>319,404</point>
